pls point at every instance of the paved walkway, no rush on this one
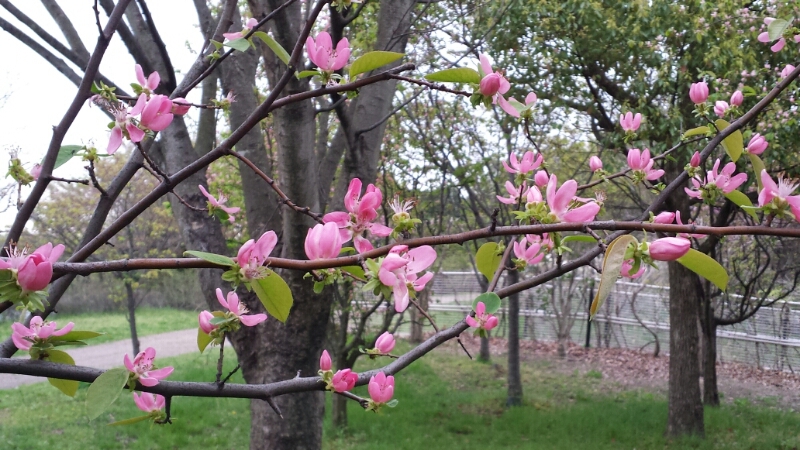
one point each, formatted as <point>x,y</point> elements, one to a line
<point>110,354</point>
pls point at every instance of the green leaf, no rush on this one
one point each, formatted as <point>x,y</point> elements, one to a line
<point>355,271</point>
<point>776,28</point>
<point>392,403</point>
<point>695,132</point>
<point>306,74</point>
<point>372,60</point>
<point>211,257</point>
<point>733,144</point>
<point>203,339</point>
<point>612,264</point>
<point>65,153</point>
<point>274,294</point>
<point>758,166</point>
<point>741,200</point>
<point>76,335</point>
<point>460,75</point>
<point>130,421</point>
<point>705,266</point>
<point>490,300</point>
<point>104,391</point>
<point>280,52</point>
<point>488,260</point>
<point>240,44</point>
<point>578,238</point>
<point>69,387</point>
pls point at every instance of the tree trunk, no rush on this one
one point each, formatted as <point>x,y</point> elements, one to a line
<point>685,404</point>
<point>417,319</point>
<point>486,354</point>
<point>132,316</point>
<point>339,412</point>
<point>514,378</point>
<point>710,388</point>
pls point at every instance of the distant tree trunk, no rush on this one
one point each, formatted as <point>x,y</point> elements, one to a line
<point>685,404</point>
<point>131,301</point>
<point>485,355</point>
<point>710,388</point>
<point>514,378</point>
<point>417,319</point>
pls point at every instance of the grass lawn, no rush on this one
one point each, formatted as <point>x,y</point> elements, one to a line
<point>446,402</point>
<point>115,325</point>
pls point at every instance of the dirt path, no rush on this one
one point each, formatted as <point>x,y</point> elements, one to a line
<point>110,354</point>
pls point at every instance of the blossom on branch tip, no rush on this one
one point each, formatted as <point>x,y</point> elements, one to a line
<point>716,182</point>
<point>204,319</point>
<point>38,330</point>
<point>629,122</point>
<point>777,197</point>
<point>482,320</point>
<point>737,98</point>
<point>325,361</point>
<point>669,248</point>
<point>529,163</point>
<point>239,309</point>
<point>640,162</point>
<point>149,402</point>
<point>698,92</point>
<point>757,144</point>
<point>695,161</point>
<point>343,380</point>
<point>595,163</point>
<point>32,271</point>
<point>251,23</point>
<point>400,270</point>
<point>541,178</point>
<point>148,85</point>
<point>721,107</point>
<point>362,211</point>
<point>253,253</point>
<point>157,113</point>
<point>323,55</point>
<point>562,202</point>
<point>381,388</point>
<point>664,217</point>
<point>323,241</point>
<point>141,368</point>
<point>124,125</point>
<point>385,343</point>
<point>515,193</point>
<point>213,203</point>
<point>533,254</point>
<point>494,85</point>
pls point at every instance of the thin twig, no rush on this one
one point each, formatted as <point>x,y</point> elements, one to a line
<point>95,183</point>
<point>219,361</point>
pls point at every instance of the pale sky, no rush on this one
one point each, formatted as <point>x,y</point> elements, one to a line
<point>37,95</point>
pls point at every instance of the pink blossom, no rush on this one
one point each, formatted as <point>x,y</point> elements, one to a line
<point>124,125</point>
<point>724,181</point>
<point>205,322</point>
<point>252,254</point>
<point>541,178</point>
<point>359,220</point>
<point>482,320</point>
<point>321,52</point>
<point>721,107</point>
<point>385,343</point>
<point>148,85</point>
<point>157,113</point>
<point>695,161</point>
<point>180,106</point>
<point>142,368</point>
<point>36,171</point>
<point>344,380</point>
<point>669,248</point>
<point>495,85</point>
<point>220,204</point>
<point>664,217</point>
<point>239,309</point>
<point>251,23</point>
<point>698,92</point>
<point>544,240</point>
<point>629,122</point>
<point>33,272</point>
<point>595,163</point>
<point>779,194</point>
<point>526,165</point>
<point>381,388</point>
<point>737,98</point>
<point>757,144</point>
<point>39,330</point>
<point>325,361</point>
<point>323,241</point>
<point>778,46</point>
<point>787,70</point>
<point>626,268</point>
<point>531,255</point>
<point>400,268</point>
<point>559,200</point>
<point>640,161</point>
<point>515,193</point>
<point>149,402</point>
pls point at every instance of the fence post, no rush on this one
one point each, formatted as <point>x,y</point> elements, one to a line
<point>588,316</point>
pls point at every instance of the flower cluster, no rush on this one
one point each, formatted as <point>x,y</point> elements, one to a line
<point>143,370</point>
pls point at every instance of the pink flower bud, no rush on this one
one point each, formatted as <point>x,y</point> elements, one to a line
<point>541,178</point>
<point>205,322</point>
<point>737,98</point>
<point>669,249</point>
<point>595,163</point>
<point>695,161</point>
<point>381,388</point>
<point>180,106</point>
<point>720,108</point>
<point>490,84</point>
<point>323,241</point>
<point>757,144</point>
<point>325,361</point>
<point>344,380</point>
<point>787,70</point>
<point>36,171</point>
<point>625,270</point>
<point>629,122</point>
<point>698,92</point>
<point>385,343</point>
<point>665,217</point>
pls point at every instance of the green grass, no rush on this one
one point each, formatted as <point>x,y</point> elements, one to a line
<point>115,325</point>
<point>446,402</point>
